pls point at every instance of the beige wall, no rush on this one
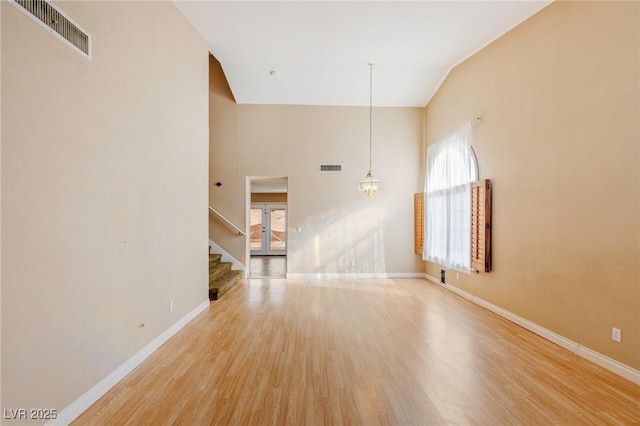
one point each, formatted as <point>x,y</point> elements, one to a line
<point>229,199</point>
<point>338,224</point>
<point>560,139</point>
<point>104,174</point>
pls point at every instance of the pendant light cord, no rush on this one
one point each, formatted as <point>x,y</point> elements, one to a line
<point>370,111</point>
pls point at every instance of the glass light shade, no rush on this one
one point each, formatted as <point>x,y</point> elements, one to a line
<point>369,185</point>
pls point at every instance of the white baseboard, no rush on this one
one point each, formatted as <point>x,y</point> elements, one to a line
<point>582,351</point>
<point>77,407</point>
<point>321,276</point>
<point>226,257</point>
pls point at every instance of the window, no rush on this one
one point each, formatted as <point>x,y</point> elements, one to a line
<point>451,167</point>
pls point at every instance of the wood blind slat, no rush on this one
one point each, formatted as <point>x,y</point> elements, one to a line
<point>418,221</point>
<point>481,225</point>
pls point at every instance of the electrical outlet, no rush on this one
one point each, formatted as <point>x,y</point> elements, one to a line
<point>170,305</point>
<point>616,334</point>
<point>457,275</point>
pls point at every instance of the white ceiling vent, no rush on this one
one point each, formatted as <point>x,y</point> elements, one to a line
<point>54,20</point>
<point>330,167</point>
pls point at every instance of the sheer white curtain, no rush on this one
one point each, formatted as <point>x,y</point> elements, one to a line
<point>451,166</point>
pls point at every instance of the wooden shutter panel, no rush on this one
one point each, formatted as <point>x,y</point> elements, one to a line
<point>481,225</point>
<point>418,221</point>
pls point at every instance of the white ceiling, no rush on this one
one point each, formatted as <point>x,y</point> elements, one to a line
<point>320,49</point>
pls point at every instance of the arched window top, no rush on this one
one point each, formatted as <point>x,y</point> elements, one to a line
<point>451,162</point>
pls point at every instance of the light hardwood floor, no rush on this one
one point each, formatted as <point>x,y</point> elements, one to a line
<point>361,352</point>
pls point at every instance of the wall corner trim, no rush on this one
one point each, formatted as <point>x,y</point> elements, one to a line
<point>77,407</point>
<point>604,361</point>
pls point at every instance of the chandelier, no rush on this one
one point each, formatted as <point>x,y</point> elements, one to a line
<point>369,185</point>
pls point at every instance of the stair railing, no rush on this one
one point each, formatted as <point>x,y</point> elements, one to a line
<point>226,221</point>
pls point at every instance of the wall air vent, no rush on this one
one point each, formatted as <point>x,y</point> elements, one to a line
<point>330,167</point>
<point>54,20</point>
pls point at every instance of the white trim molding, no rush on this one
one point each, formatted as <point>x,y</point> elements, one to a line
<point>604,361</point>
<point>77,407</point>
<point>323,276</point>
<point>226,257</point>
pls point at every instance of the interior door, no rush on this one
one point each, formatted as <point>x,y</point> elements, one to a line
<point>268,229</point>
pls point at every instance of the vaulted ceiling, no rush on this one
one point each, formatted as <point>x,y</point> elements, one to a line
<point>317,53</point>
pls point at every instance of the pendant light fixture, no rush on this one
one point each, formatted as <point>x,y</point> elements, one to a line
<point>369,185</point>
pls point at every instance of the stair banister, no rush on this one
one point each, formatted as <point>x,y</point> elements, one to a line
<point>226,221</point>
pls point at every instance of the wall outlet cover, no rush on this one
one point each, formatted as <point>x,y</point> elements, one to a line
<point>616,335</point>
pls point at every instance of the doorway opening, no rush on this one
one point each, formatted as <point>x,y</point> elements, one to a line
<point>267,238</point>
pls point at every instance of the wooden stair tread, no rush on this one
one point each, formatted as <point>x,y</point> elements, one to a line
<point>224,284</point>
<point>218,270</point>
<point>221,277</point>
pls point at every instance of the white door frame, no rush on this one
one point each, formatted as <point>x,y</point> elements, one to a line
<point>267,208</point>
<point>247,245</point>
